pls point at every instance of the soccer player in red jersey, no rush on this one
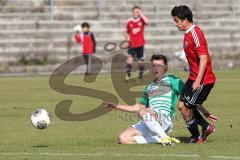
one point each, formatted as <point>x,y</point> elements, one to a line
<point>86,38</point>
<point>201,78</point>
<point>135,35</point>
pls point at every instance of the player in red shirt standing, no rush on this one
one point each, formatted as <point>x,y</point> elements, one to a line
<point>135,35</point>
<point>201,79</point>
<point>86,38</point>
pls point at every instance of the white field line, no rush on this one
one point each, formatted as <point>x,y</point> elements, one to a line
<point>117,154</point>
<point>101,154</point>
<point>225,157</point>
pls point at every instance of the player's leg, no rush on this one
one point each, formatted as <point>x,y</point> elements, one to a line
<point>127,136</point>
<point>130,58</point>
<point>186,111</point>
<point>86,60</point>
<point>166,122</point>
<point>158,127</point>
<point>190,120</point>
<point>138,134</point>
<point>140,56</point>
<point>207,128</point>
<point>150,119</point>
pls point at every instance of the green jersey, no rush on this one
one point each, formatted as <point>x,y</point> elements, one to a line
<point>162,94</point>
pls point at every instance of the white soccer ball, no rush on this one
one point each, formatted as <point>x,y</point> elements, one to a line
<point>77,28</point>
<point>41,118</point>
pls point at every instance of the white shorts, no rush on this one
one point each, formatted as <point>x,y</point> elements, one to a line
<point>164,120</point>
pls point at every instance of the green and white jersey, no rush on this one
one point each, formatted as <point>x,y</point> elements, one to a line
<point>162,94</point>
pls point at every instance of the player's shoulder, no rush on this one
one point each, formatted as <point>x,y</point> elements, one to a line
<point>130,20</point>
<point>197,29</point>
<point>149,86</point>
<point>173,77</point>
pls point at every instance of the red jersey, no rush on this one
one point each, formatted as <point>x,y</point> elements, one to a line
<point>88,41</point>
<point>135,29</point>
<point>195,45</point>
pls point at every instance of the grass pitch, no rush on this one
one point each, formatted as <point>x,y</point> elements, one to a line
<point>96,139</point>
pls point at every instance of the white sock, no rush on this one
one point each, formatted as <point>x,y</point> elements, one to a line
<point>140,139</point>
<point>154,125</point>
<point>146,140</point>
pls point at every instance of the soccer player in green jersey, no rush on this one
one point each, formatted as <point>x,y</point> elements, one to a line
<point>156,108</point>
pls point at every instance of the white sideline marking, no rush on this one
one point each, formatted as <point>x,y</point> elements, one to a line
<point>224,157</point>
<point>101,154</point>
<point>118,154</point>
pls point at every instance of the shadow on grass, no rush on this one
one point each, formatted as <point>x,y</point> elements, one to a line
<point>183,139</point>
<point>186,140</point>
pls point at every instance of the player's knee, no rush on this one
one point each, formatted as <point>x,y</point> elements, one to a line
<point>180,106</point>
<point>184,110</point>
<point>123,139</point>
<point>129,59</point>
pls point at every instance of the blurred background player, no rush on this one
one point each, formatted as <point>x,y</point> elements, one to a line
<point>135,35</point>
<point>201,78</point>
<point>86,38</point>
<point>156,109</point>
<point>180,55</point>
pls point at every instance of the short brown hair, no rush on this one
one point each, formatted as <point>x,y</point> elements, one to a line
<point>136,7</point>
<point>159,57</point>
<point>85,24</point>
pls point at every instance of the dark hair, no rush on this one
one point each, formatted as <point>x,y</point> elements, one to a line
<point>182,12</point>
<point>159,57</point>
<point>85,24</point>
<point>136,7</point>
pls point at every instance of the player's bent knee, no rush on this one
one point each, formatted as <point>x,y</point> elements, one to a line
<point>180,106</point>
<point>123,139</point>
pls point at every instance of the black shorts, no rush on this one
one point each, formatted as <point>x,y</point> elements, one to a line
<point>137,52</point>
<point>193,98</point>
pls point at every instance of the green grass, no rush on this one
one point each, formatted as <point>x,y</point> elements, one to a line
<point>96,139</point>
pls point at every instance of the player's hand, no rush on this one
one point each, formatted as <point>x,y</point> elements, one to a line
<point>110,105</point>
<point>196,85</point>
<point>140,12</point>
<point>125,44</point>
<point>211,117</point>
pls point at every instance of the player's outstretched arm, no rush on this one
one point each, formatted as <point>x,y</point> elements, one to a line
<point>145,19</point>
<point>135,108</point>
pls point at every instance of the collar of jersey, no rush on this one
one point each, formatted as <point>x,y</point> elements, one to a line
<point>160,78</point>
<point>135,20</point>
<point>190,29</point>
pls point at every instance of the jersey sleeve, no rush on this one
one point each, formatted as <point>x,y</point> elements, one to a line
<point>144,99</point>
<point>177,84</point>
<point>94,42</point>
<point>143,21</point>
<point>128,28</point>
<point>78,38</point>
<point>200,42</point>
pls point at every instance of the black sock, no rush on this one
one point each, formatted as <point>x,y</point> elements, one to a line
<point>129,68</point>
<point>140,68</point>
<point>201,121</point>
<point>192,126</point>
<point>86,59</point>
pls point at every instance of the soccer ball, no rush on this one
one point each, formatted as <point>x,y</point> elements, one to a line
<point>41,118</point>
